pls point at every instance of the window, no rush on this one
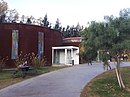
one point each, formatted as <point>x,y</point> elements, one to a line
<point>40,45</point>
<point>14,54</point>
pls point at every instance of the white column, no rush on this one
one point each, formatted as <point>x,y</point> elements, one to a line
<point>72,54</point>
<point>78,56</point>
<point>56,57</point>
<point>52,55</point>
<point>65,56</point>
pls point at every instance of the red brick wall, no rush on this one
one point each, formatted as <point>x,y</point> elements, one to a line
<point>28,40</point>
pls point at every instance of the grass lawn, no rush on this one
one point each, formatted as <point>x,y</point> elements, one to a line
<point>7,78</point>
<point>106,85</point>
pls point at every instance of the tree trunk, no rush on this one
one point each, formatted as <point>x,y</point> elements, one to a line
<point>118,74</point>
<point>122,83</point>
<point>118,78</point>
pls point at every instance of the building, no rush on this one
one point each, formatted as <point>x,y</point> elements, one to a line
<point>68,53</point>
<point>72,41</point>
<point>16,38</point>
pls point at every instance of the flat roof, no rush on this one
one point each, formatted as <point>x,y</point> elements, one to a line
<point>65,47</point>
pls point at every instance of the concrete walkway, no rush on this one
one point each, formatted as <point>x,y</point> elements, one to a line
<point>67,82</point>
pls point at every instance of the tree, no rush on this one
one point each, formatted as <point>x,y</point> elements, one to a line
<point>57,25</point>
<point>16,17</point>
<point>111,36</point>
<point>125,13</point>
<point>22,19</point>
<point>3,9</point>
<point>33,20</point>
<point>73,31</point>
<point>89,43</point>
<point>11,16</point>
<point>29,21</point>
<point>45,21</point>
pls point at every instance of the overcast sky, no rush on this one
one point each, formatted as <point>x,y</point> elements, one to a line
<point>69,12</point>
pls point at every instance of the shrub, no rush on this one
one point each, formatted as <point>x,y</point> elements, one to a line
<point>2,62</point>
<point>20,60</point>
<point>36,62</point>
<point>32,58</point>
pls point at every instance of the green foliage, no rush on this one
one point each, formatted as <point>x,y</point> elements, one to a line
<point>104,56</point>
<point>112,35</point>
<point>73,31</point>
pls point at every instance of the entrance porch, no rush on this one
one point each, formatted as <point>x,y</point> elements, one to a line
<point>65,55</point>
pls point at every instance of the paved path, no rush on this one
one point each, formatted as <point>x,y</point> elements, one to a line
<point>67,82</point>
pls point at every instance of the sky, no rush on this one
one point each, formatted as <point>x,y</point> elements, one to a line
<point>69,12</point>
